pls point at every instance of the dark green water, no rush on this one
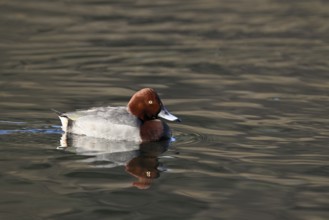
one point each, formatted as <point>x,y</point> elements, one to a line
<point>249,79</point>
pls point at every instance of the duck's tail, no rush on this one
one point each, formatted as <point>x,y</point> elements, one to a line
<point>57,112</point>
<point>64,119</point>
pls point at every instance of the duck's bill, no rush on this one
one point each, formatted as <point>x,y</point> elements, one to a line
<point>165,114</point>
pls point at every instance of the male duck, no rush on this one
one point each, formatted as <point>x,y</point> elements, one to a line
<point>138,121</point>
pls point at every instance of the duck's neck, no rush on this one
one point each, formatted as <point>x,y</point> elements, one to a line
<point>154,130</point>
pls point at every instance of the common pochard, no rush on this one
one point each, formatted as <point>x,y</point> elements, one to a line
<point>138,121</point>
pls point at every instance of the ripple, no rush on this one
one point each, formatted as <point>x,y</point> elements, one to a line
<point>37,166</point>
<point>12,122</point>
<point>31,131</point>
<point>19,127</point>
<point>189,137</point>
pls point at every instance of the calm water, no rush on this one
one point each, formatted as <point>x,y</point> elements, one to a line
<point>249,79</point>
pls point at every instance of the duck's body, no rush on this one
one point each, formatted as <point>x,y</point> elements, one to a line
<point>136,122</point>
<point>104,122</point>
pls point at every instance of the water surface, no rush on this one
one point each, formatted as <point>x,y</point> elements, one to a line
<point>249,79</point>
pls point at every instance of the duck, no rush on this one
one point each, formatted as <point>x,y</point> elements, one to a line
<point>139,121</point>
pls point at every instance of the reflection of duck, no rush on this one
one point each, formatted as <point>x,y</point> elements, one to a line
<point>145,167</point>
<point>140,160</point>
<point>136,122</point>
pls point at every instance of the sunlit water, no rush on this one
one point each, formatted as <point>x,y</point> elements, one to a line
<point>249,79</point>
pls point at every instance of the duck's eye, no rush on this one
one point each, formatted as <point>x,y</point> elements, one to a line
<point>150,102</point>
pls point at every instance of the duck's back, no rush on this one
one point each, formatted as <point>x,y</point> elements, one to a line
<point>114,123</point>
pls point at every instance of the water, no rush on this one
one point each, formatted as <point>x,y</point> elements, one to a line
<point>249,79</point>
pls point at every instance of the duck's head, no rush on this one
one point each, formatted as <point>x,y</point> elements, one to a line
<point>146,105</point>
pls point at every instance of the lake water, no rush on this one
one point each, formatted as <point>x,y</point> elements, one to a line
<point>249,79</point>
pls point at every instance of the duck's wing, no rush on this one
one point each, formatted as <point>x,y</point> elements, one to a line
<point>115,115</point>
<point>102,122</point>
